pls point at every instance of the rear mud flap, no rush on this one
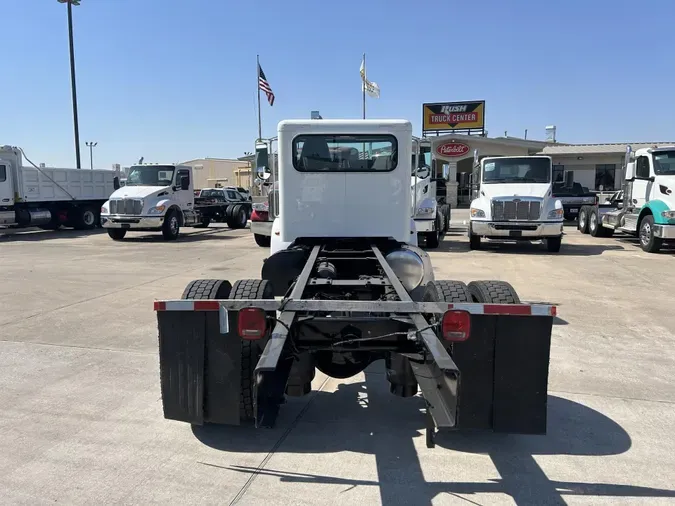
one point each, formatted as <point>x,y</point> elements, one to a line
<point>200,368</point>
<point>504,366</point>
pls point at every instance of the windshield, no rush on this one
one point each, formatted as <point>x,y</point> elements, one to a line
<point>664,163</point>
<point>345,153</point>
<point>212,194</point>
<point>151,175</point>
<point>517,170</point>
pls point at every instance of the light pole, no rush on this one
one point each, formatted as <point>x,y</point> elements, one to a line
<point>91,146</point>
<point>72,76</point>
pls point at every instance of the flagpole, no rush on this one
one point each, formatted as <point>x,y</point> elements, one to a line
<point>257,78</point>
<point>363,85</point>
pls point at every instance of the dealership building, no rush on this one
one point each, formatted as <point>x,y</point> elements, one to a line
<point>456,129</point>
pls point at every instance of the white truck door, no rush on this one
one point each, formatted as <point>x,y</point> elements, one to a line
<point>6,187</point>
<point>185,198</point>
<point>642,185</point>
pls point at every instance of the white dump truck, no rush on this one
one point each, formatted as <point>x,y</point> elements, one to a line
<point>48,197</point>
<point>161,198</point>
<point>353,289</point>
<point>645,207</point>
<point>512,200</point>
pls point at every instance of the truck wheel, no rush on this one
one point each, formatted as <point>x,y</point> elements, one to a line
<point>262,240</point>
<point>582,223</point>
<point>250,350</point>
<point>433,239</point>
<point>238,219</point>
<point>82,218</point>
<point>594,226</point>
<point>207,289</point>
<point>493,292</point>
<point>474,240</point>
<point>117,234</point>
<point>648,241</point>
<point>171,226</point>
<point>447,291</point>
<point>553,244</point>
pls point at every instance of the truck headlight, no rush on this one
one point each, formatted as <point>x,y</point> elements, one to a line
<point>477,213</point>
<point>157,209</point>
<point>669,215</point>
<point>555,214</point>
<point>104,209</point>
<point>425,210</point>
<point>408,267</point>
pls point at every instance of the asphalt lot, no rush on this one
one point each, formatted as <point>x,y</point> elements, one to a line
<point>81,418</point>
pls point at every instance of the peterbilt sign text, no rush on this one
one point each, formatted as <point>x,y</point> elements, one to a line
<point>452,149</point>
<point>453,116</point>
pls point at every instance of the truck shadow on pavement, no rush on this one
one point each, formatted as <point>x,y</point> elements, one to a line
<point>668,248</point>
<point>46,235</point>
<point>379,424</point>
<point>192,236</point>
<point>567,249</point>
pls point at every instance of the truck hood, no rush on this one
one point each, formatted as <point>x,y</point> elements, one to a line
<point>138,191</point>
<point>493,190</point>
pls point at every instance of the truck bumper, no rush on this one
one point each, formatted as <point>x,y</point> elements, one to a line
<point>664,231</point>
<point>262,228</point>
<point>517,229</point>
<point>132,222</point>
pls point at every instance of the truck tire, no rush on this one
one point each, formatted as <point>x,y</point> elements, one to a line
<point>263,241</point>
<point>474,240</point>
<point>493,292</point>
<point>582,221</point>
<point>447,291</point>
<point>171,226</point>
<point>207,289</point>
<point>250,350</point>
<point>117,234</point>
<point>594,226</point>
<point>238,219</point>
<point>82,218</point>
<point>648,241</point>
<point>553,244</point>
<point>433,239</point>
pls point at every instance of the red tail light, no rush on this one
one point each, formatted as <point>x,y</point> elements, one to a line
<point>456,325</point>
<point>252,323</point>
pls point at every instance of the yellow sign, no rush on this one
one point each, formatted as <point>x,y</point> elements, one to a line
<point>453,116</point>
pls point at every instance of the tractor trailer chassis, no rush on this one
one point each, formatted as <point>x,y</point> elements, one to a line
<point>230,353</point>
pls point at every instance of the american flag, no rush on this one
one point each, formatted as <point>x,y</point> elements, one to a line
<point>265,86</point>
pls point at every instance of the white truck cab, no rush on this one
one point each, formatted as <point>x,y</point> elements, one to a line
<point>648,209</point>
<point>513,201</point>
<point>155,197</point>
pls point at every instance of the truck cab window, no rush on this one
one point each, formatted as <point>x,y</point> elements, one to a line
<point>642,169</point>
<point>180,175</point>
<point>664,163</point>
<point>3,173</point>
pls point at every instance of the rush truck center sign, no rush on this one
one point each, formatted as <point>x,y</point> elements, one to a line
<point>453,116</point>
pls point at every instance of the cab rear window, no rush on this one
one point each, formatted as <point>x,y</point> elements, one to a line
<point>345,153</point>
<point>3,173</point>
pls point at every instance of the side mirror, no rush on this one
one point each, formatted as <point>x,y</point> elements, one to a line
<point>423,172</point>
<point>116,183</point>
<point>263,173</point>
<point>185,183</point>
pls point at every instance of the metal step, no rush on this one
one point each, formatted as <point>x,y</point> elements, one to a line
<point>630,223</point>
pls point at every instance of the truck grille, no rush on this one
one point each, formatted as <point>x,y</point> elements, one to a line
<point>516,210</point>
<point>132,207</point>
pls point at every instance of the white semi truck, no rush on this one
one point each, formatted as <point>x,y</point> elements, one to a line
<point>161,198</point>
<point>345,286</point>
<point>430,210</point>
<point>512,200</point>
<point>48,197</point>
<point>645,207</point>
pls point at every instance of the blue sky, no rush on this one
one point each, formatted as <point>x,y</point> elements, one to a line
<point>173,80</point>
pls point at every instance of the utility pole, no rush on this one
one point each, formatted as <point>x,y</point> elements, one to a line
<point>91,146</point>
<point>72,77</point>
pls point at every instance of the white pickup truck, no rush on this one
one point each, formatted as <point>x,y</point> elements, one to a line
<point>161,198</point>
<point>513,201</point>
